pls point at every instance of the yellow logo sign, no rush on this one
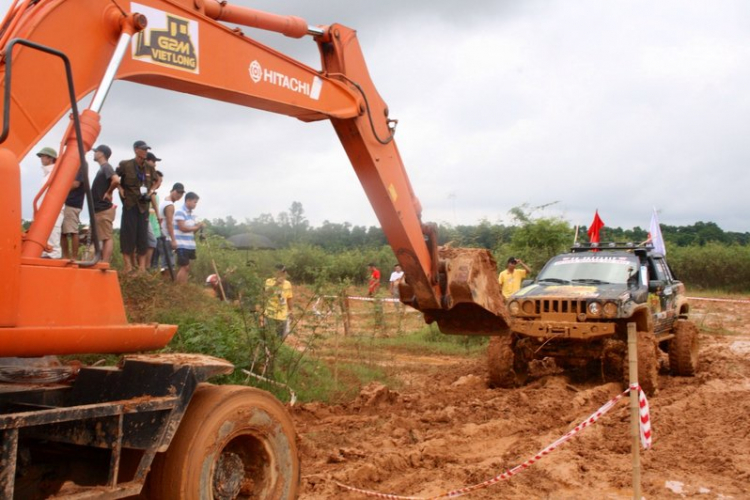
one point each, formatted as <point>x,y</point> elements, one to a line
<point>169,40</point>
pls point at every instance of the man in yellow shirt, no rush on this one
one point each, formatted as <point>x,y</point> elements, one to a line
<point>510,279</point>
<point>278,308</point>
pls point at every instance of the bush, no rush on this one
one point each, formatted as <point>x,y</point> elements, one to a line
<point>712,266</point>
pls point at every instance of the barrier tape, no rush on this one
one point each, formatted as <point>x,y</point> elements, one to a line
<point>390,299</point>
<point>736,301</point>
<point>369,299</point>
<point>292,395</point>
<point>645,432</point>
<point>645,418</point>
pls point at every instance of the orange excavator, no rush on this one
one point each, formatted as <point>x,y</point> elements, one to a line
<point>153,425</point>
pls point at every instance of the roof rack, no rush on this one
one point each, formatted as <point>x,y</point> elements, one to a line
<point>610,245</point>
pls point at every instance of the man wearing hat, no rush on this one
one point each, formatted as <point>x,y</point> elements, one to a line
<point>510,279</point>
<point>166,213</point>
<point>48,157</point>
<point>137,179</point>
<point>105,183</point>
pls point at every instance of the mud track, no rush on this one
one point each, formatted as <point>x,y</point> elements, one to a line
<point>445,429</point>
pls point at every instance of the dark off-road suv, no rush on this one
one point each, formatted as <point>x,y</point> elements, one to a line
<point>577,310</point>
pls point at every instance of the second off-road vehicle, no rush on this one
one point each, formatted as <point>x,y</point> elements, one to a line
<point>577,310</point>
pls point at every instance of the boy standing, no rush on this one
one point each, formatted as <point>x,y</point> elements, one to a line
<point>184,232</point>
<point>105,183</point>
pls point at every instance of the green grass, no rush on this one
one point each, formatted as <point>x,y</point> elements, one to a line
<point>426,341</point>
<point>231,332</point>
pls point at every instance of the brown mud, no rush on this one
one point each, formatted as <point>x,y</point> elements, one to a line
<point>443,429</point>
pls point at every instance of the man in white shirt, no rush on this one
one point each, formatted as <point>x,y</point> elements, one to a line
<point>397,277</point>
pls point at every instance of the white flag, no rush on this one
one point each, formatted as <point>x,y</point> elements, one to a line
<point>654,234</point>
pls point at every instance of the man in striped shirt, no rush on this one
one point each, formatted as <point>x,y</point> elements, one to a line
<point>185,227</point>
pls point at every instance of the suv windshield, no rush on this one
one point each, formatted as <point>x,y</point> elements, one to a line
<point>590,268</point>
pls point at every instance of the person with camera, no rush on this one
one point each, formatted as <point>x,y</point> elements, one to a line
<point>186,225</point>
<point>137,180</point>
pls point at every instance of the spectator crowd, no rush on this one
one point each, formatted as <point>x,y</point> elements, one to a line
<point>156,234</point>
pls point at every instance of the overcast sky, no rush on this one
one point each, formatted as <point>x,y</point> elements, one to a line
<point>619,106</point>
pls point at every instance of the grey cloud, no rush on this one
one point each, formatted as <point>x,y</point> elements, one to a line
<point>620,106</point>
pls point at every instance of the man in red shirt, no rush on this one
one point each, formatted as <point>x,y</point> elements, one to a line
<point>374,283</point>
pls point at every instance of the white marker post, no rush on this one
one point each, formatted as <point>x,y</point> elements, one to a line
<point>634,409</point>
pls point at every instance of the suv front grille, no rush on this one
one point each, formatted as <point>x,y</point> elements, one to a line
<point>543,306</point>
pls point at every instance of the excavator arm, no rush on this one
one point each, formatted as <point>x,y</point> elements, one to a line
<point>182,45</point>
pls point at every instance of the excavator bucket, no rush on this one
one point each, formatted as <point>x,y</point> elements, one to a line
<point>472,301</point>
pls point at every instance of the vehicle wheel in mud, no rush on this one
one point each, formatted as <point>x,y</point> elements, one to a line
<point>234,442</point>
<point>500,361</point>
<point>614,359</point>
<point>648,364</point>
<point>683,349</point>
<point>523,354</point>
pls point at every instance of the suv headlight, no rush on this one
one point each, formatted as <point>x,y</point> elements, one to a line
<point>610,310</point>
<point>595,309</point>
<point>514,307</point>
<point>528,307</point>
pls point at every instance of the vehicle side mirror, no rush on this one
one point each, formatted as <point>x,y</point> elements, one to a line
<point>526,283</point>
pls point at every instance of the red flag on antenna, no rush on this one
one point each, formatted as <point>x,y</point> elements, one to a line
<point>595,227</point>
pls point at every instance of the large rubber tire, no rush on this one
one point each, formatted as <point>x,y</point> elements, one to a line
<point>500,362</point>
<point>683,349</point>
<point>648,364</point>
<point>234,442</point>
<point>614,358</point>
<point>523,353</point>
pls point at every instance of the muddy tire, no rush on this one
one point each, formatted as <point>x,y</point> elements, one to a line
<point>648,364</point>
<point>500,361</point>
<point>614,360</point>
<point>523,354</point>
<point>234,442</point>
<point>683,349</point>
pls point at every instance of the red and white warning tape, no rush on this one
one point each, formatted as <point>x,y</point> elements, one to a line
<point>645,431</point>
<point>645,418</point>
<point>368,299</point>
<point>736,301</point>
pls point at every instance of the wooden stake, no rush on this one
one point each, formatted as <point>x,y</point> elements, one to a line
<point>634,410</point>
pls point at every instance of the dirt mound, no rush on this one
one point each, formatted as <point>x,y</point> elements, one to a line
<point>445,429</point>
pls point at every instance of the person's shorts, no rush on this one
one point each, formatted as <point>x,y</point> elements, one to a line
<point>151,237</point>
<point>279,326</point>
<point>133,231</point>
<point>184,256</point>
<point>71,220</point>
<point>104,220</point>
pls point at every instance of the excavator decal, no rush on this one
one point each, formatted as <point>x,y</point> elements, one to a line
<point>173,44</point>
<point>312,90</point>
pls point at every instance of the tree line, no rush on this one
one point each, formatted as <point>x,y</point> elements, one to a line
<point>292,227</point>
<point>535,239</point>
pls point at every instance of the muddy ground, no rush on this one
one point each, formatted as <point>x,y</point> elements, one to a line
<point>442,428</point>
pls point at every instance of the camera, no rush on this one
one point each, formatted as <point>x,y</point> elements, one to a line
<point>144,197</point>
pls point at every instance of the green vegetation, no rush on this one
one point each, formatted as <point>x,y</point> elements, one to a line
<point>322,364</point>
<point>338,252</point>
<point>317,362</point>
